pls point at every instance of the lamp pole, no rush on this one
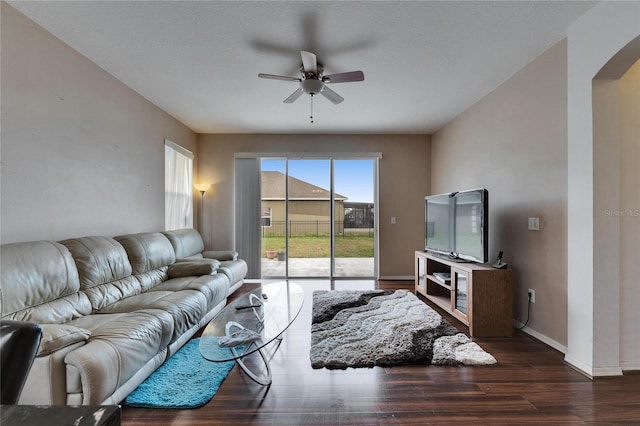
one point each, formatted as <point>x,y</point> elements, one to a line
<point>202,187</point>
<point>201,209</point>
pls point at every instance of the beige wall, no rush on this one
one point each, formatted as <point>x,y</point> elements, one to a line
<point>629,97</point>
<point>513,142</point>
<point>404,181</point>
<point>81,153</point>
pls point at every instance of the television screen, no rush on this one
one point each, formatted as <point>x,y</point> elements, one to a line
<point>470,213</point>
<point>438,223</point>
<point>456,225</point>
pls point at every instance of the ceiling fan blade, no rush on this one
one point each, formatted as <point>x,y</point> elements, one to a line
<point>331,95</point>
<point>309,62</point>
<point>295,95</point>
<point>278,77</point>
<point>344,77</point>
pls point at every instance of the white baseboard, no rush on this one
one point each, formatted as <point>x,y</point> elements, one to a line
<point>581,367</point>
<point>607,371</point>
<point>592,372</point>
<point>543,338</point>
<point>630,365</point>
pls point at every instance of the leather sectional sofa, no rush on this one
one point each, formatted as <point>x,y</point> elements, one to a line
<point>112,310</point>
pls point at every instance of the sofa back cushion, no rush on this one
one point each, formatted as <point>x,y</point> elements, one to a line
<point>104,270</point>
<point>187,243</point>
<point>40,283</point>
<point>150,255</point>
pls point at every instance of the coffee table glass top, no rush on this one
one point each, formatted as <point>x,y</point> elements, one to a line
<point>251,321</point>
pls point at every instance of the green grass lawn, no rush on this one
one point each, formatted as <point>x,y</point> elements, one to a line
<point>312,246</point>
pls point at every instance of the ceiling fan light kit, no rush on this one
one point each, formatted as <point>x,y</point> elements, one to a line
<point>312,86</point>
<point>313,82</point>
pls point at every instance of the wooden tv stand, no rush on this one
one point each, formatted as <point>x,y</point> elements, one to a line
<point>478,295</point>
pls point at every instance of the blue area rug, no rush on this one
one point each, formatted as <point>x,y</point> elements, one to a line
<point>186,380</point>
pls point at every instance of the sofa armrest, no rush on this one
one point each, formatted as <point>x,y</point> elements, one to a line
<point>58,336</point>
<point>221,254</point>
<point>190,269</point>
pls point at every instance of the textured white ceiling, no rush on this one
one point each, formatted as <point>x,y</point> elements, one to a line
<point>424,62</point>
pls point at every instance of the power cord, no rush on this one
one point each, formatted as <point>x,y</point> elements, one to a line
<point>528,311</point>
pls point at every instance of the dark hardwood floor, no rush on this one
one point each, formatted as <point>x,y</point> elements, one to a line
<point>529,385</point>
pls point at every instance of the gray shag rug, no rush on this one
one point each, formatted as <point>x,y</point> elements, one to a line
<point>385,328</point>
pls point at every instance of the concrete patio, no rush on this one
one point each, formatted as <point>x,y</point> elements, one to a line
<point>319,267</point>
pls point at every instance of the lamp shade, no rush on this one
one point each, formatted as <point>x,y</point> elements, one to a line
<point>202,187</point>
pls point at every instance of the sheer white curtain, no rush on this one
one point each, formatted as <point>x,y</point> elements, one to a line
<point>178,187</point>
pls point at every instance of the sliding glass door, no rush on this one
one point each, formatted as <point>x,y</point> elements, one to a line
<point>354,236</point>
<point>309,218</point>
<point>317,218</point>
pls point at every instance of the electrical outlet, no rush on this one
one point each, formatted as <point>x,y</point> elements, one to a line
<point>393,220</point>
<point>532,295</point>
<point>534,224</point>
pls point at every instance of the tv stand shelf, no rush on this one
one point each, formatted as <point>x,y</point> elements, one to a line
<point>480,296</point>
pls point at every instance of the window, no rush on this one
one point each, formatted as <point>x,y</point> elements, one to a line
<point>266,217</point>
<point>178,187</point>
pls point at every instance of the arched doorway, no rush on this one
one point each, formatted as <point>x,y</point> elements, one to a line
<point>616,200</point>
<point>604,36</point>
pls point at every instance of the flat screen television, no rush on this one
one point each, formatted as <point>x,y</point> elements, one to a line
<point>457,225</point>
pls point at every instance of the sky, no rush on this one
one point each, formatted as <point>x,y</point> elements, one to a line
<point>353,178</point>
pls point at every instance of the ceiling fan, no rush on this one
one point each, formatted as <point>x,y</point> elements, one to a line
<point>312,80</point>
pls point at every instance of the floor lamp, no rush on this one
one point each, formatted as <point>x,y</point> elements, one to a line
<point>202,187</point>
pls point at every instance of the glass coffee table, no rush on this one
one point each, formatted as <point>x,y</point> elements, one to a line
<point>250,323</point>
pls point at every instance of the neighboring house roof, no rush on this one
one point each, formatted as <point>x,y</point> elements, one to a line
<point>273,188</point>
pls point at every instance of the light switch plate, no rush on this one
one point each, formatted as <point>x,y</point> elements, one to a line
<point>534,224</point>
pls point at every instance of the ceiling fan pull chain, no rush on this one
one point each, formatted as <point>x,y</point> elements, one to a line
<point>311,109</point>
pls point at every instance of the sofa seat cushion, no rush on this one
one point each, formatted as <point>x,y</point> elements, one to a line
<point>214,287</point>
<point>102,326</point>
<point>185,307</point>
<point>148,280</point>
<point>119,346</point>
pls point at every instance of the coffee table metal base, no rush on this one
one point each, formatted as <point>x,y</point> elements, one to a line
<point>265,380</point>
